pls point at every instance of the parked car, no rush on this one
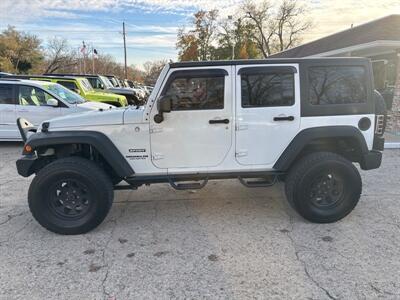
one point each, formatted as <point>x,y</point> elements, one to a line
<point>37,101</point>
<point>102,83</point>
<point>80,86</point>
<point>301,121</point>
<point>114,80</point>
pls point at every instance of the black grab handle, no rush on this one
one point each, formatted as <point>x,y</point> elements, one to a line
<point>224,121</point>
<point>290,118</point>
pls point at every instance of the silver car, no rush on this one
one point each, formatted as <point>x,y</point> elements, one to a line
<point>37,101</point>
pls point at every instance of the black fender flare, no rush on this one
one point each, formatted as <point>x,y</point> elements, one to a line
<point>96,139</point>
<point>306,136</point>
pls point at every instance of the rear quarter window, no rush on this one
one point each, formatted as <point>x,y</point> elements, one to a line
<point>332,85</point>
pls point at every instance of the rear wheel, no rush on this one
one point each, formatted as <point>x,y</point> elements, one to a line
<point>323,187</point>
<point>70,196</point>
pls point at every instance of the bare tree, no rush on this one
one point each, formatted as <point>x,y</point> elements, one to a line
<point>276,29</point>
<point>261,17</point>
<point>59,55</point>
<point>290,24</point>
<point>152,70</point>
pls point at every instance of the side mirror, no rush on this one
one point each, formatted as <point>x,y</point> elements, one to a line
<point>101,86</point>
<point>76,91</point>
<point>52,102</point>
<point>164,105</point>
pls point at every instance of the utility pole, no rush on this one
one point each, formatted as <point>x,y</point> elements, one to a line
<point>231,22</point>
<point>124,35</point>
<point>92,59</point>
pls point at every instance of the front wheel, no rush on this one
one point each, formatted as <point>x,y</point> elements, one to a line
<point>70,196</point>
<point>323,187</point>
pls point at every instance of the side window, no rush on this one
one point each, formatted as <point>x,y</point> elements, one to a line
<point>266,89</point>
<point>29,95</point>
<point>69,85</point>
<point>93,82</point>
<point>6,94</point>
<point>196,92</point>
<point>337,85</point>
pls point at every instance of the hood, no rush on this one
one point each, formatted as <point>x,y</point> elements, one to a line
<point>95,105</point>
<point>103,95</point>
<point>134,115</point>
<point>91,118</point>
<point>124,91</point>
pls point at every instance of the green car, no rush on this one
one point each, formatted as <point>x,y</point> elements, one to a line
<point>82,87</point>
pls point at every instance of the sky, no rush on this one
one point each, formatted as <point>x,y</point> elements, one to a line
<point>152,25</point>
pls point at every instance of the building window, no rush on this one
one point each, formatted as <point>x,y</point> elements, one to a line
<point>267,89</point>
<point>337,85</point>
<point>197,93</point>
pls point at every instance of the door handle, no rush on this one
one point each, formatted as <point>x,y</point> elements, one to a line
<point>290,118</point>
<point>23,110</point>
<point>224,121</point>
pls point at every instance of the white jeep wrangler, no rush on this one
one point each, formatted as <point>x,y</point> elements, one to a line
<point>301,121</point>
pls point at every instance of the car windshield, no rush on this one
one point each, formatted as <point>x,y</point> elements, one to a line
<point>114,82</point>
<point>86,85</point>
<point>107,83</point>
<point>64,93</point>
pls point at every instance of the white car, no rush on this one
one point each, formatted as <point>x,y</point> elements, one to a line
<point>37,101</point>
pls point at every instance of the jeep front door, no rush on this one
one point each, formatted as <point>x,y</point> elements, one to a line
<point>268,112</point>
<point>198,130</point>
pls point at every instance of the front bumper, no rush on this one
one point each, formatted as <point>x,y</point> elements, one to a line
<point>25,165</point>
<point>371,160</point>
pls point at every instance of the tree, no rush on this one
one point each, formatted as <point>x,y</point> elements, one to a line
<point>276,31</point>
<point>59,55</point>
<point>238,35</point>
<point>152,70</point>
<point>19,52</point>
<point>197,44</point>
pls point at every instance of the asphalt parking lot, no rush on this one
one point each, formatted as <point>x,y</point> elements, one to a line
<point>225,241</point>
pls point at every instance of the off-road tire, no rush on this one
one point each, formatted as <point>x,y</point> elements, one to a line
<point>73,179</point>
<point>304,176</point>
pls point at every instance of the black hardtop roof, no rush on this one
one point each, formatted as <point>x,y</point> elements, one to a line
<point>213,63</point>
<point>71,75</point>
<point>40,76</point>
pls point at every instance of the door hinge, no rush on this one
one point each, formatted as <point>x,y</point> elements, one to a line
<point>155,129</point>
<point>240,127</point>
<point>242,153</point>
<point>157,156</point>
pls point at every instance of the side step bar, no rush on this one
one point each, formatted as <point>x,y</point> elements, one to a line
<point>188,186</point>
<point>259,182</point>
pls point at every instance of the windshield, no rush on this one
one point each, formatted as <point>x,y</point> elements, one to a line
<point>64,93</point>
<point>114,82</point>
<point>86,85</point>
<point>107,83</point>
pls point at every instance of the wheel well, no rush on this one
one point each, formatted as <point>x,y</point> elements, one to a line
<point>348,147</point>
<point>50,153</point>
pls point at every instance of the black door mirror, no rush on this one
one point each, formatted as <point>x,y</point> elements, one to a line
<point>164,105</point>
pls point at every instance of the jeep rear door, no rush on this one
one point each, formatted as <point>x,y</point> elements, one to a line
<point>198,130</point>
<point>267,111</point>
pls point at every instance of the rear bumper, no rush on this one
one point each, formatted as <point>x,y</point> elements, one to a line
<point>371,160</point>
<point>25,165</point>
<point>379,143</point>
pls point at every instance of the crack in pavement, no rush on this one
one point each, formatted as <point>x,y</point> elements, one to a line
<point>106,265</point>
<point>304,264</point>
<point>15,233</point>
<point>10,217</point>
